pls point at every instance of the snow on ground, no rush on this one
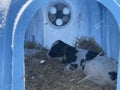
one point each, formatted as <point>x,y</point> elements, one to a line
<point>4,6</point>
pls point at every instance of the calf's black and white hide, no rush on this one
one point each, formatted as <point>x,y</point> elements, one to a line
<point>63,50</point>
<point>98,68</point>
<point>101,70</point>
<point>69,54</point>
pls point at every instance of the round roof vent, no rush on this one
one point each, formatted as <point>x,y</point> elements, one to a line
<point>59,14</point>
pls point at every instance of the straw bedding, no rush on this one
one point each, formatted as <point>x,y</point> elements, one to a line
<point>45,73</point>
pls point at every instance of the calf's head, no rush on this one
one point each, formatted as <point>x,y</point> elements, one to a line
<point>61,49</point>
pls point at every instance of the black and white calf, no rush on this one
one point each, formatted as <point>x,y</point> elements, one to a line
<point>98,68</point>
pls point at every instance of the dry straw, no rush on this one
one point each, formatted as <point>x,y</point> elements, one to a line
<point>49,75</point>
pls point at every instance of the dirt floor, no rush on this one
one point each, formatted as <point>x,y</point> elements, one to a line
<point>44,73</point>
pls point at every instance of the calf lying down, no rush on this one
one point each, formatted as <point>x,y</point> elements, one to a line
<point>97,68</point>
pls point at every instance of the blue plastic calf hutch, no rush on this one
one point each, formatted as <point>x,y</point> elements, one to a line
<point>28,20</point>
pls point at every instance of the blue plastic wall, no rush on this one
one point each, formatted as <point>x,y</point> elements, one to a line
<point>114,7</point>
<point>12,41</point>
<point>5,45</point>
<point>94,21</point>
<point>12,54</point>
